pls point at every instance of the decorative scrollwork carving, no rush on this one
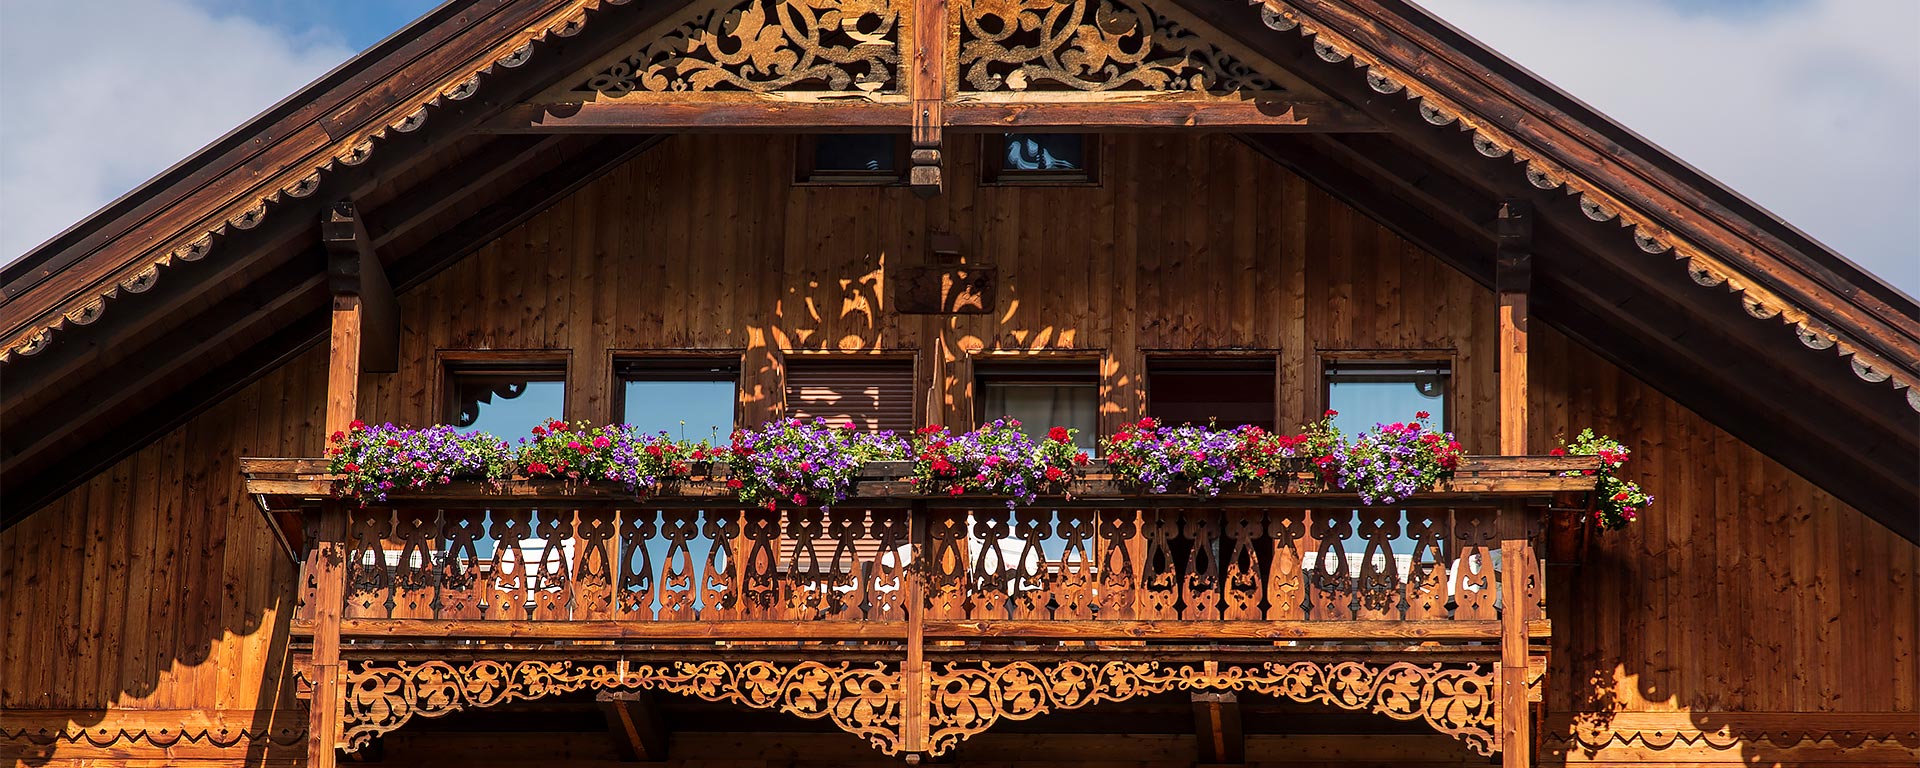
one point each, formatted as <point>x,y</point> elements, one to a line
<point>968,698</point>
<point>766,45</point>
<point>383,696</point>
<point>1092,45</point>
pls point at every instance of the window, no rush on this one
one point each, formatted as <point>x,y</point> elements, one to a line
<point>1372,392</point>
<point>689,398</point>
<point>874,394</point>
<point>1229,392</point>
<point>505,398</point>
<point>1039,158</point>
<point>1041,396</point>
<point>851,158</point>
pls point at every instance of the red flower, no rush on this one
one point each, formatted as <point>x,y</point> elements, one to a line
<point>601,441</point>
<point>1055,473</point>
<point>1332,413</point>
<point>357,424</point>
<point>339,436</point>
<point>537,468</point>
<point>1423,415</point>
<point>1621,496</point>
<point>734,483</point>
<point>1080,458</point>
<point>955,491</point>
<point>539,432</point>
<point>1557,452</point>
<point>654,451</point>
<point>1059,435</point>
<point>351,467</point>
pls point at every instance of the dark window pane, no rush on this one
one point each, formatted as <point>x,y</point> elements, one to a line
<point>1227,394</point>
<point>1366,394</point>
<point>1042,396</point>
<point>507,405</point>
<point>855,153</point>
<point>1045,152</point>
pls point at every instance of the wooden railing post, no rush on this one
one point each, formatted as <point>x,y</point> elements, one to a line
<point>1513,274</point>
<point>1516,732</point>
<point>913,672</point>
<point>328,566</point>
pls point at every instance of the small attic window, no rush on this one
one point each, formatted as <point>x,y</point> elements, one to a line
<point>1039,158</point>
<point>851,158</point>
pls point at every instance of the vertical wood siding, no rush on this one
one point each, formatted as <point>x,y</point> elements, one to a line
<point>157,586</point>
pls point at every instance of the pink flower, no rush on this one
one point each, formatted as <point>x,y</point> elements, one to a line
<point>601,441</point>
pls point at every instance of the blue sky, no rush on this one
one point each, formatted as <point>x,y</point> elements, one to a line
<point>1808,107</point>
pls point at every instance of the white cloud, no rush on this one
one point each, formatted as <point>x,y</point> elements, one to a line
<point>97,97</point>
<point>1808,108</point>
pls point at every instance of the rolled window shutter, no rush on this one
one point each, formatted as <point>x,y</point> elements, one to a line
<point>873,394</point>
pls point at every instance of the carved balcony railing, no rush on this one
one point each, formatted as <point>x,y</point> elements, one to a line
<point>916,622</point>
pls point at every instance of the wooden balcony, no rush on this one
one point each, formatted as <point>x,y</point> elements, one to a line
<point>916,622</point>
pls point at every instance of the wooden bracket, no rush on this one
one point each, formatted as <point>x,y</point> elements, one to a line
<point>929,95</point>
<point>633,718</point>
<point>1216,727</point>
<point>354,269</point>
<point>1513,277</point>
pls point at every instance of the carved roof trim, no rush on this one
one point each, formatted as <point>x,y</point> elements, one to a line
<point>1542,171</point>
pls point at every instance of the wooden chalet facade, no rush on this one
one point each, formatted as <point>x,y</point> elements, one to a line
<point>883,210</point>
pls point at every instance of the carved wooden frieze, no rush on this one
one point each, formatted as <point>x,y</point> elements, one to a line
<point>970,697</point>
<point>961,698</point>
<point>861,700</point>
<point>1010,46</point>
<point>760,47</point>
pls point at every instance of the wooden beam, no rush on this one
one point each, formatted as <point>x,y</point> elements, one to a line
<point>471,177</point>
<point>749,116</point>
<point>1254,115</point>
<point>633,719</point>
<point>1513,278</point>
<point>1257,114</point>
<point>354,269</point>
<point>1216,728</point>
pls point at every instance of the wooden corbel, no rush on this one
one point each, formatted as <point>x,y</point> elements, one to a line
<point>354,270</point>
<point>929,95</point>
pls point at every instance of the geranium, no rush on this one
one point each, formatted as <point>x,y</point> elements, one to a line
<point>1620,501</point>
<point>570,450</point>
<point>376,460</point>
<point>804,463</point>
<point>1390,462</point>
<point>1185,459</point>
<point>997,459</point>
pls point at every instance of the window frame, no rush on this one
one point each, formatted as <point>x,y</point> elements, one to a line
<point>991,364</point>
<point>993,150</point>
<point>1233,359</point>
<point>1331,359</point>
<point>806,155</point>
<point>549,364</point>
<point>620,361</point>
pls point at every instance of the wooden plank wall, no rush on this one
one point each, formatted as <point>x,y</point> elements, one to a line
<point>1748,589</point>
<point>156,596</point>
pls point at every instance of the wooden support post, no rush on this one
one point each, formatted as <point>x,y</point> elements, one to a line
<point>929,86</point>
<point>343,364</point>
<point>914,672</point>
<point>328,564</point>
<point>1216,727</point>
<point>353,269</point>
<point>1516,731</point>
<point>633,718</point>
<point>1513,276</point>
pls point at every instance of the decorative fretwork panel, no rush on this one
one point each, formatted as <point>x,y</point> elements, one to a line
<point>961,698</point>
<point>670,564</point>
<point>1011,46</point>
<point>861,700</point>
<point>761,46</point>
<point>1213,564</point>
<point>970,697</point>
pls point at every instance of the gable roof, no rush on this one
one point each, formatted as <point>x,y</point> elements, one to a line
<point>204,276</point>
